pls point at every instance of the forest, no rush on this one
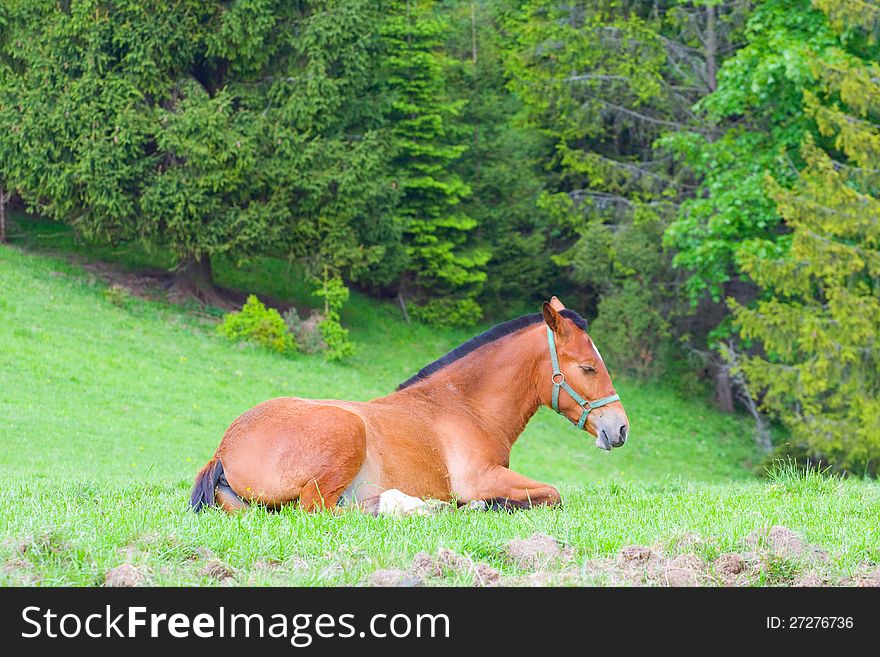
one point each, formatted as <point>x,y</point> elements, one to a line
<point>700,178</point>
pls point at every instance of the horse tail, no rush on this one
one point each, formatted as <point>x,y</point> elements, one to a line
<point>206,484</point>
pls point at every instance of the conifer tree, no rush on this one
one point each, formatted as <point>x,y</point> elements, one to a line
<point>444,273</point>
<point>819,319</point>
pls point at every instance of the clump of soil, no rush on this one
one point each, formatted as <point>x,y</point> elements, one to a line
<point>536,552</point>
<point>448,562</point>
<point>638,565</point>
<point>267,565</point>
<point>21,570</point>
<point>810,578</point>
<point>730,564</point>
<point>638,555</point>
<point>684,570</point>
<point>216,569</point>
<point>394,577</point>
<point>734,569</point>
<point>868,577</point>
<point>783,542</point>
<point>200,553</point>
<point>125,575</point>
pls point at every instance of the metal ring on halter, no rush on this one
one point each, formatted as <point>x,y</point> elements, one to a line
<point>561,381</point>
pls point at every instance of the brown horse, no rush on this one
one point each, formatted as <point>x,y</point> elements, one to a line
<point>446,433</point>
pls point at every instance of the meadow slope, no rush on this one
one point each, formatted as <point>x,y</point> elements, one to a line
<point>108,411</point>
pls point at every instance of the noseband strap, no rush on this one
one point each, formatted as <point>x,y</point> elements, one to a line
<point>559,381</point>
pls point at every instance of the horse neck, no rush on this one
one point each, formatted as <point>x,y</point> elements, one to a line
<point>495,387</point>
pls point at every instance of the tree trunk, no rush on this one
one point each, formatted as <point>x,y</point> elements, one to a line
<point>402,303</point>
<point>711,48</point>
<point>723,389</point>
<point>194,278</point>
<point>3,199</point>
<point>476,144</point>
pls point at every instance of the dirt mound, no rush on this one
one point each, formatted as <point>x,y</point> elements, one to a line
<point>810,578</point>
<point>868,577</point>
<point>125,575</point>
<point>684,570</point>
<point>394,577</point>
<point>638,554</point>
<point>21,571</point>
<point>783,542</point>
<point>216,569</point>
<point>447,562</point>
<point>640,565</point>
<point>730,564</point>
<point>536,552</point>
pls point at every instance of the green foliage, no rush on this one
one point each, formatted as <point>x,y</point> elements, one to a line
<point>604,82</point>
<point>449,312</point>
<point>257,323</point>
<point>757,121</point>
<point>820,313</point>
<point>440,260</point>
<point>502,163</point>
<point>335,294</point>
<point>118,295</point>
<point>631,331</point>
<point>336,338</point>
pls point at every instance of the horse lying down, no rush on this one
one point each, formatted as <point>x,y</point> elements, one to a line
<point>444,434</point>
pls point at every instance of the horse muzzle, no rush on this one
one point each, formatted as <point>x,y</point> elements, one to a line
<point>610,435</point>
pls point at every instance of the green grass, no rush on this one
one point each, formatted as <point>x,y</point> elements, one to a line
<point>75,532</point>
<point>108,412</point>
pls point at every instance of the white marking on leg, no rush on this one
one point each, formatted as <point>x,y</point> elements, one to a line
<point>395,503</point>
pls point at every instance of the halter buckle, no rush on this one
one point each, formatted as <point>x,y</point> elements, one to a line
<point>561,381</point>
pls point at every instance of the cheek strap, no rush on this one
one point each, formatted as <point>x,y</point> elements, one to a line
<point>559,382</point>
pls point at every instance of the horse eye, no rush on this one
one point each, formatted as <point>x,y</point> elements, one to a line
<point>588,368</point>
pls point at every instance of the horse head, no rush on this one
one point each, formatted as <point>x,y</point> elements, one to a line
<point>580,386</point>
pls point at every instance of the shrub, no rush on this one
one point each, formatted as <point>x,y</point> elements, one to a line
<point>335,294</point>
<point>307,333</point>
<point>256,323</point>
<point>118,295</point>
<point>449,312</point>
<point>336,338</point>
<point>631,331</point>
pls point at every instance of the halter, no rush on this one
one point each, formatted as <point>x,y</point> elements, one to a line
<point>561,383</point>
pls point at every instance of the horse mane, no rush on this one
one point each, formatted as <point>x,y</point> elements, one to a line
<point>495,333</point>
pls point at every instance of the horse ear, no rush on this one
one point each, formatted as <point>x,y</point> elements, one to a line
<point>553,319</point>
<point>557,304</point>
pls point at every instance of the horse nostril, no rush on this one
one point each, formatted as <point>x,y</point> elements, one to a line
<point>623,432</point>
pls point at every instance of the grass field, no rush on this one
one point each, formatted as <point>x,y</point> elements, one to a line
<point>108,411</point>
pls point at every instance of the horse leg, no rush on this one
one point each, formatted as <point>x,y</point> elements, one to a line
<point>324,490</point>
<point>503,488</point>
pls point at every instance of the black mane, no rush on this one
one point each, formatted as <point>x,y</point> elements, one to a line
<point>495,333</point>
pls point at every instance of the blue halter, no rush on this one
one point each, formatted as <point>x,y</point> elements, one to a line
<point>561,383</point>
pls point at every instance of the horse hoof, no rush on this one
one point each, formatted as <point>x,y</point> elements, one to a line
<point>478,505</point>
<point>395,503</point>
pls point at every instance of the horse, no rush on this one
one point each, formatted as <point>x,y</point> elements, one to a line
<point>444,434</point>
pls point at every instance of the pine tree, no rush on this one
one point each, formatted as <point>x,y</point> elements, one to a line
<point>444,273</point>
<point>819,320</point>
<point>504,160</point>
